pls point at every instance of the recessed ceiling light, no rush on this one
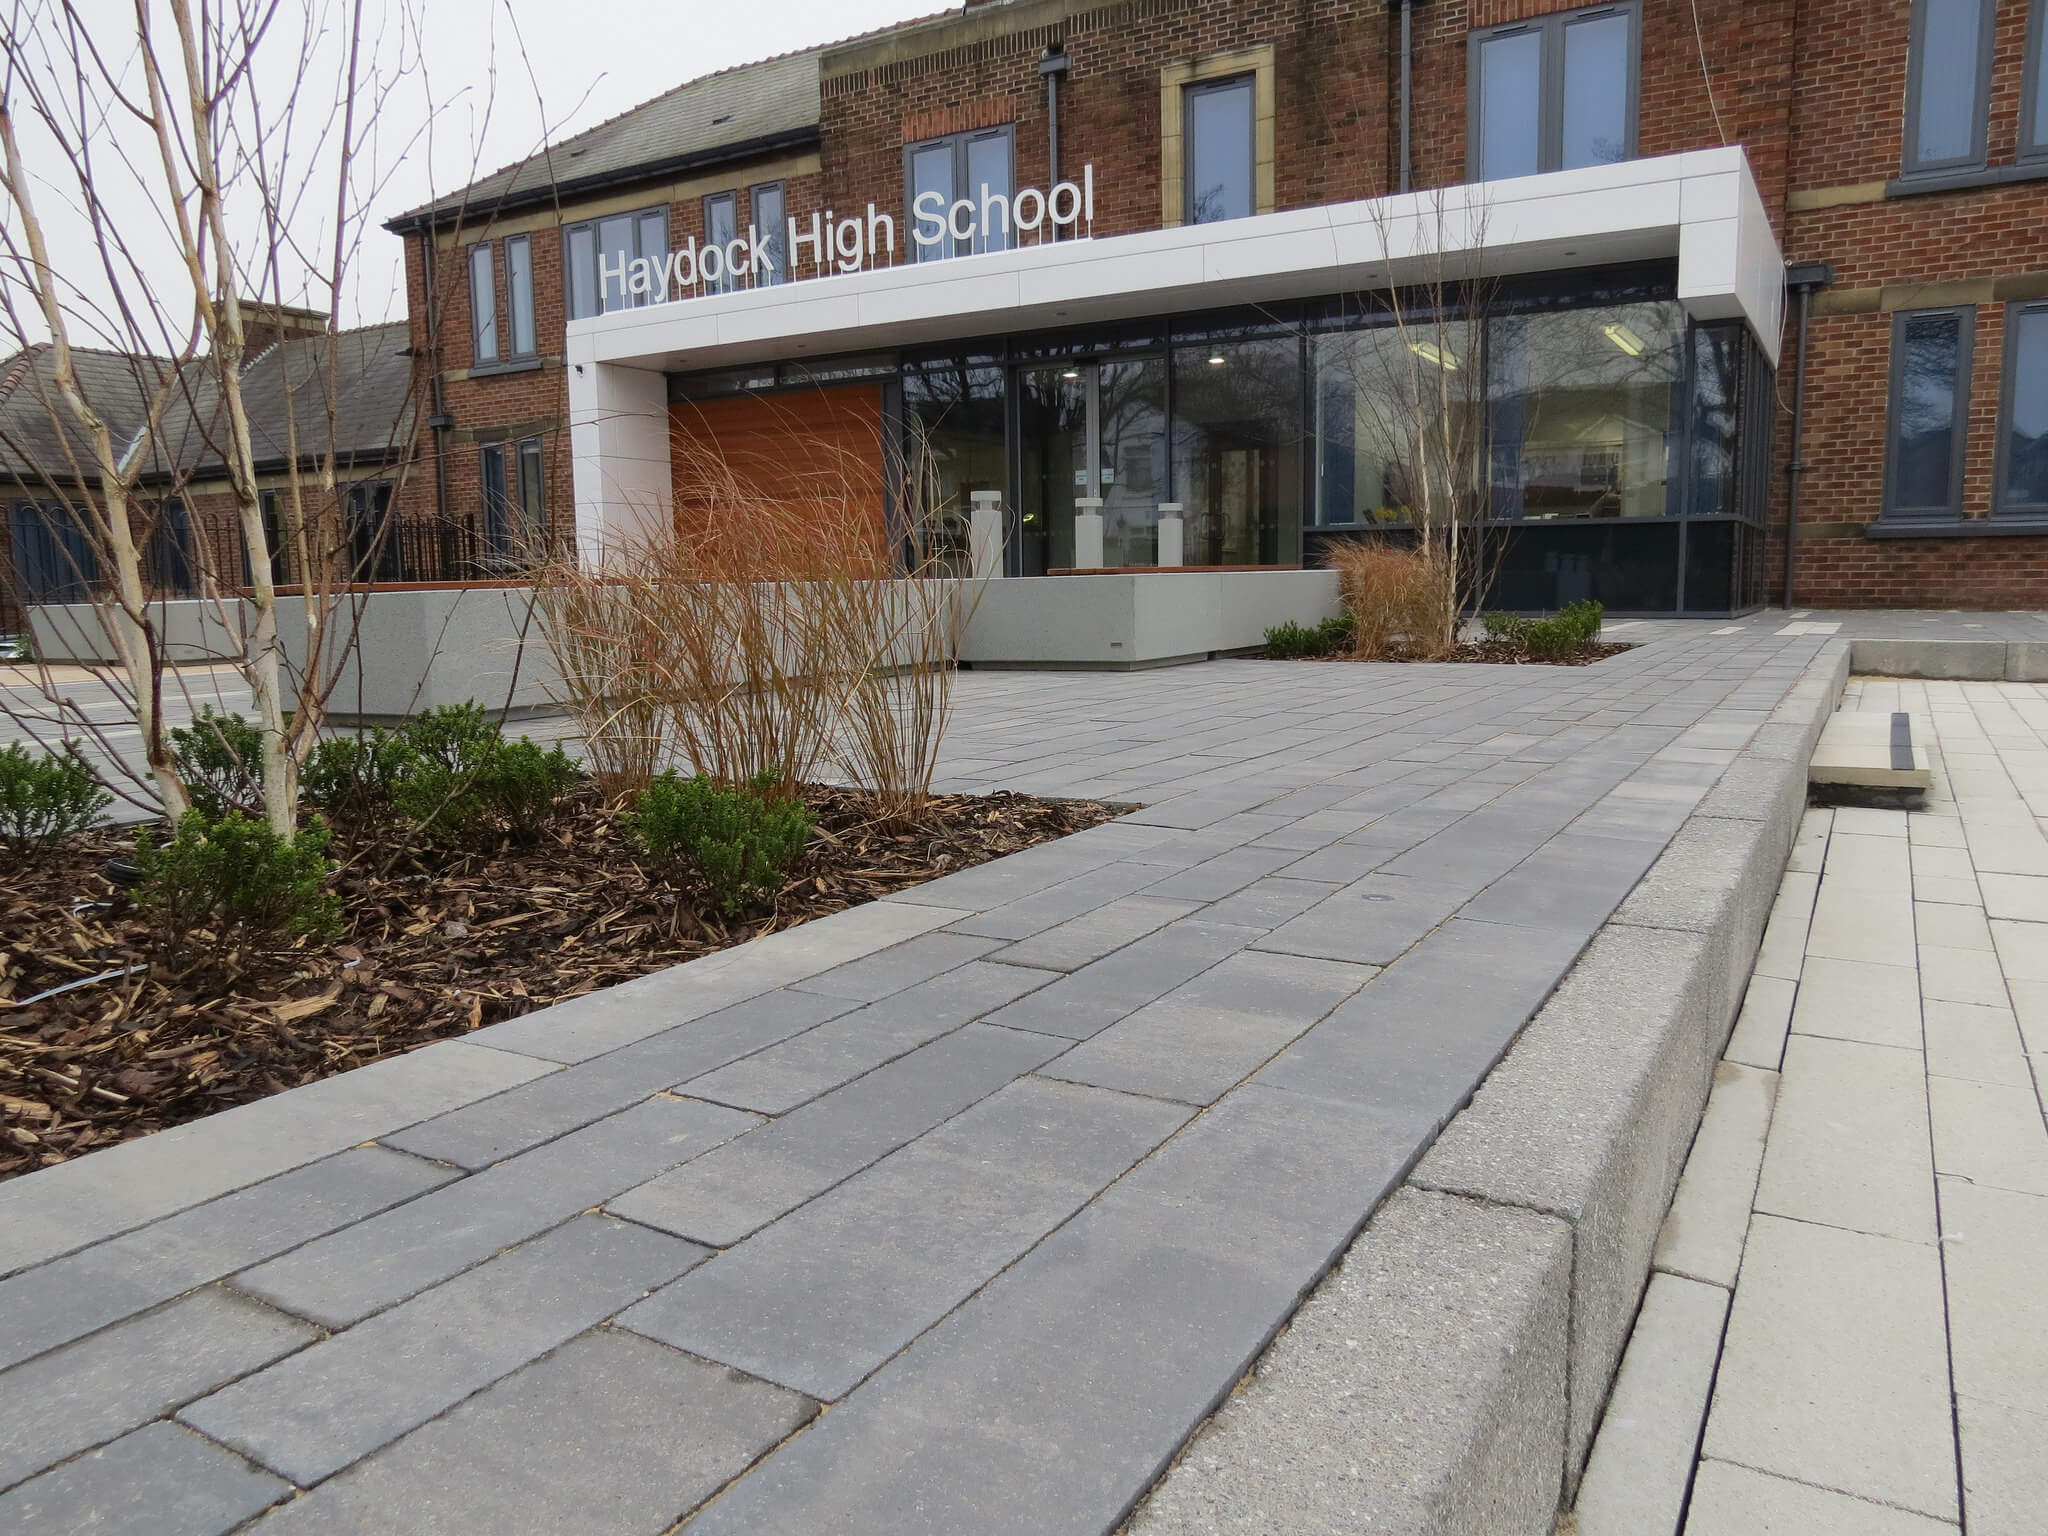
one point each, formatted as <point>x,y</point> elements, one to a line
<point>1215,359</point>
<point>1071,373</point>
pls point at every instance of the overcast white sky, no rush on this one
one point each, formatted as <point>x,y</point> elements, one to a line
<point>581,61</point>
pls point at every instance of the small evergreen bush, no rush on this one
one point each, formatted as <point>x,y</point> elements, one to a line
<point>349,779</point>
<point>235,878</point>
<point>1285,642</point>
<point>520,785</point>
<point>219,759</point>
<point>740,841</point>
<point>1553,638</point>
<point>1508,627</point>
<point>45,796</point>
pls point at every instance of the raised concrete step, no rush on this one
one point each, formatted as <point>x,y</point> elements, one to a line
<point>1873,750</point>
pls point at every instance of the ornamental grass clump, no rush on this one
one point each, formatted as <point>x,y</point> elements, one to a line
<point>738,839</point>
<point>228,886</point>
<point>46,796</point>
<point>1393,594</point>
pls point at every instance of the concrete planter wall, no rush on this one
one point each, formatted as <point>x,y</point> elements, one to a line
<point>1139,618</point>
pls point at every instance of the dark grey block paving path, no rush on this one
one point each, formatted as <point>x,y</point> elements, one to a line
<point>956,1212</point>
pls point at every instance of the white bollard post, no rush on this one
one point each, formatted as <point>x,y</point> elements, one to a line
<point>985,535</point>
<point>1171,548</point>
<point>1088,533</point>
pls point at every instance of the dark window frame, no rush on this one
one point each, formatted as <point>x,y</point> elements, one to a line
<point>957,143</point>
<point>1551,81</point>
<point>479,324</point>
<point>1246,81</point>
<point>513,349</point>
<point>2034,111</point>
<point>570,298</point>
<point>730,198</point>
<point>775,239</point>
<point>2007,371</point>
<point>1966,350</point>
<point>1910,165</point>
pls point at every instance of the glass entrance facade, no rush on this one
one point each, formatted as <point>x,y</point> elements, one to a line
<point>1615,448</point>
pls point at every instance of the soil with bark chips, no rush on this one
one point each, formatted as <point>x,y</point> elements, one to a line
<point>1496,652</point>
<point>437,943</point>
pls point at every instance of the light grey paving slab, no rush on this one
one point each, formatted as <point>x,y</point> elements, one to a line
<point>610,1434</point>
<point>1997,1245</point>
<point>311,1415</point>
<point>118,1379</point>
<point>1961,976</point>
<point>876,976</point>
<point>821,1298</point>
<point>1636,1482</point>
<point>783,1076</point>
<point>160,1480</point>
<point>617,1016</point>
<point>1864,910</point>
<point>1055,1396</point>
<point>1417,1040</point>
<point>1849,1141</point>
<point>1835,1367</point>
<point>488,1132</point>
<point>1989,1133</point>
<point>1981,1044</point>
<point>58,1209</point>
<point>1372,921</point>
<point>1074,943</point>
<point>1959,927</point>
<point>1704,1231</point>
<point>1859,1000</point>
<point>2022,898</point>
<point>1758,1039</point>
<point>1096,996</point>
<point>726,1194</point>
<point>1204,1037</point>
<point>1230,871</point>
<point>1270,902</point>
<point>1345,1426</point>
<point>1739,1501</point>
<point>1571,882</point>
<point>369,1266</point>
<point>66,1298</point>
<point>1056,904</point>
<point>2005,1466</point>
<point>1783,952</point>
<point>2022,950</point>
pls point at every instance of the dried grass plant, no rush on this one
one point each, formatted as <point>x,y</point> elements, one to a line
<point>1395,594</point>
<point>778,626</point>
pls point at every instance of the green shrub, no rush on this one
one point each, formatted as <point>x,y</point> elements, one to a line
<point>737,839</point>
<point>1508,627</point>
<point>456,736</point>
<point>1585,616</point>
<point>349,779</point>
<point>1285,642</point>
<point>219,759</point>
<point>45,796</point>
<point>521,785</point>
<point>238,880</point>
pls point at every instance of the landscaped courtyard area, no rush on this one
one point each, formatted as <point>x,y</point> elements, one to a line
<point>964,1209</point>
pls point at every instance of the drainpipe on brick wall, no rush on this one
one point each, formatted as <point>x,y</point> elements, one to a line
<point>440,421</point>
<point>1407,10</point>
<point>1802,278</point>
<point>1053,64</point>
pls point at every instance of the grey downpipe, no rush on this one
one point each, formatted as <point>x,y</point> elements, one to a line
<point>1802,279</point>
<point>1407,92</point>
<point>1052,64</point>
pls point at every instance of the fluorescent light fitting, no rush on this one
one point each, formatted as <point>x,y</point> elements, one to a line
<point>1429,352</point>
<point>1216,360</point>
<point>1071,373</point>
<point>1626,339</point>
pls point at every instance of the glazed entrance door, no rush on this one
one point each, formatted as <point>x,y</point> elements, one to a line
<point>1092,429</point>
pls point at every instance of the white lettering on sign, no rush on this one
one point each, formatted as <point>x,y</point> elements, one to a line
<point>826,243</point>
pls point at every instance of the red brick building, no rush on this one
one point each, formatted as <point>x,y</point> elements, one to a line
<point>1898,147</point>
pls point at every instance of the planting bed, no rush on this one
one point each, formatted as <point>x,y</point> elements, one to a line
<point>437,943</point>
<point>1496,652</point>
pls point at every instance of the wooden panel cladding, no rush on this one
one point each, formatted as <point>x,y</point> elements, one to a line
<point>816,452</point>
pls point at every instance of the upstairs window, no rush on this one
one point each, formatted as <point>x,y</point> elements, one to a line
<point>771,221</point>
<point>963,168</point>
<point>2023,415</point>
<point>1554,93</point>
<point>721,228</point>
<point>519,293</point>
<point>1221,153</point>
<point>598,247</point>
<point>1930,403</point>
<point>483,303</point>
<point>2033,116</point>
<point>1948,85</point>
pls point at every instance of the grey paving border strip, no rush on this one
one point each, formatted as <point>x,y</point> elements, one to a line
<point>1977,661</point>
<point>1449,1375</point>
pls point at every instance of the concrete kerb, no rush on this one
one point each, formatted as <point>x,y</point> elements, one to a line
<point>1586,1123</point>
<point>2012,661</point>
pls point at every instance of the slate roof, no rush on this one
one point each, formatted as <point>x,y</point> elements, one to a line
<point>754,108</point>
<point>39,436</point>
<point>372,396</point>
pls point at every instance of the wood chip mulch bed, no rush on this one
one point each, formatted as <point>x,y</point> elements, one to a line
<point>437,943</point>
<point>1498,653</point>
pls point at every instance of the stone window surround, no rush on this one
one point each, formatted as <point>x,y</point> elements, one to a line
<point>1174,79</point>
